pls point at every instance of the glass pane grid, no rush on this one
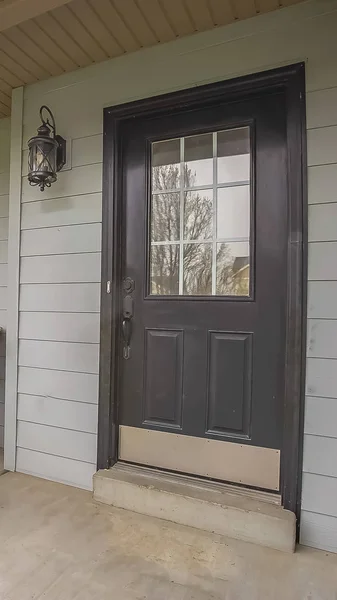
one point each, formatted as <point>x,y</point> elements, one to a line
<point>200,215</point>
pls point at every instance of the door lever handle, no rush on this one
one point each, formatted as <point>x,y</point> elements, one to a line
<point>127,325</point>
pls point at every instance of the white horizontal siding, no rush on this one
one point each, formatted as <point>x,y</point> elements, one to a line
<point>4,191</point>
<point>322,184</point>
<point>61,240</point>
<point>66,385</point>
<point>66,414</point>
<point>65,443</point>
<point>60,327</point>
<point>60,267</point>
<point>66,297</point>
<point>320,416</point>
<point>63,470</point>
<point>71,268</point>
<point>85,208</point>
<point>62,356</point>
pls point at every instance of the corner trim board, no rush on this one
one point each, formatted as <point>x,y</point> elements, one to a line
<point>14,235</point>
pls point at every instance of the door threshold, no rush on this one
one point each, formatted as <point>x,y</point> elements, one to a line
<point>198,482</point>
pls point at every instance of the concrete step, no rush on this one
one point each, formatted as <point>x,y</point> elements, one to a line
<point>197,503</point>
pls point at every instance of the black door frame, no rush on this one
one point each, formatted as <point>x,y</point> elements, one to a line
<point>291,80</point>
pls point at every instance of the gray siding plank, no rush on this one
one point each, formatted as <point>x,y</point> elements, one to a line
<point>319,531</point>
<point>322,299</point>
<point>322,339</point>
<point>71,268</point>
<point>63,356</point>
<point>58,413</point>
<point>321,108</point>
<point>3,274</point>
<point>66,385</point>
<point>59,442</point>
<point>319,494</point>
<point>3,252</point>
<point>320,455</point>
<point>4,200</point>
<point>321,416</point>
<point>4,184</point>
<point>61,240</point>
<point>62,470</point>
<point>62,327</point>
<point>322,261</point>
<point>81,180</point>
<point>322,146</point>
<point>87,150</point>
<point>3,320</point>
<point>73,210</point>
<point>323,222</point>
<point>66,297</point>
<point>3,298</point>
<point>322,184</point>
<point>4,228</point>
<point>321,377</point>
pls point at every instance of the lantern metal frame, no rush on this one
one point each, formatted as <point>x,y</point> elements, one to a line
<point>51,148</point>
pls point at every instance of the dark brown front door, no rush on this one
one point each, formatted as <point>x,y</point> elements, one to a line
<point>201,382</point>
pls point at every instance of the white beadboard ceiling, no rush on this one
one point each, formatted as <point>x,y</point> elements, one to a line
<point>43,38</point>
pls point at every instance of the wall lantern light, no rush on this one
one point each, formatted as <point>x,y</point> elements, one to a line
<point>47,152</point>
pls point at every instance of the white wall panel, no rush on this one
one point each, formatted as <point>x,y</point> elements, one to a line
<point>319,494</point>
<point>319,531</point>
<point>319,455</point>
<point>322,184</point>
<point>59,442</point>
<point>4,228</point>
<point>323,222</point>
<point>66,385</point>
<point>66,297</point>
<point>4,202</point>
<point>61,269</point>
<point>322,146</point>
<point>322,261</point>
<point>63,470</point>
<point>62,356</point>
<point>322,108</point>
<point>61,240</point>
<point>66,414</point>
<point>322,299</point>
<point>321,377</point>
<point>73,210</point>
<point>320,416</point>
<point>322,338</point>
<point>87,150</point>
<point>60,327</point>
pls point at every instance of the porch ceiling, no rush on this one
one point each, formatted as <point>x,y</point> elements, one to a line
<point>43,38</point>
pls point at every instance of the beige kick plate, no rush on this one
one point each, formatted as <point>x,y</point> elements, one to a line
<point>226,461</point>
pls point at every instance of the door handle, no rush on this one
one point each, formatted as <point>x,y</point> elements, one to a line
<point>127,325</point>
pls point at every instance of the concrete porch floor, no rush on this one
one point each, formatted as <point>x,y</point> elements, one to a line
<point>57,544</point>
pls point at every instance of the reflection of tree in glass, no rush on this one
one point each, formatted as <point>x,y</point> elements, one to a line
<point>232,272</point>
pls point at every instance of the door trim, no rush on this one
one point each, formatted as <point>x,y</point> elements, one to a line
<point>291,80</point>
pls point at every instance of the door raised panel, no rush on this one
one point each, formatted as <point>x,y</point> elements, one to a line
<point>163,377</point>
<point>229,383</point>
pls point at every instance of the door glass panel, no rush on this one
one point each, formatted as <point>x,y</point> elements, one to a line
<point>165,217</point>
<point>233,212</point>
<point>232,269</point>
<point>200,217</point>
<point>198,168</point>
<point>166,165</point>
<point>165,269</point>
<point>233,152</point>
<point>198,269</point>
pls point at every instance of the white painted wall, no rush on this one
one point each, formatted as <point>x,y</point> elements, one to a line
<point>4,191</point>
<point>60,249</point>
